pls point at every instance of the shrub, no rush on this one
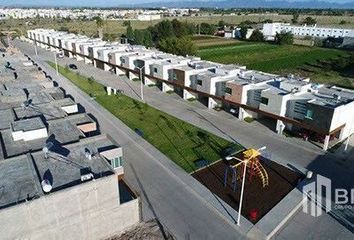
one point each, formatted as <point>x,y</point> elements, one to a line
<point>248,119</point>
<point>284,38</point>
<point>257,36</point>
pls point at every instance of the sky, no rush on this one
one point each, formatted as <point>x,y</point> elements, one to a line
<point>105,3</point>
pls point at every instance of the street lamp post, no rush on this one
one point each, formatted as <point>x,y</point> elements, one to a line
<point>228,158</point>
<point>56,62</point>
<point>35,47</point>
<point>141,82</point>
<point>241,196</point>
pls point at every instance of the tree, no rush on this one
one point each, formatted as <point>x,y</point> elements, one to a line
<point>284,38</point>
<point>257,36</point>
<point>165,29</point>
<point>310,21</point>
<point>180,46</point>
<point>148,39</point>
<point>295,18</point>
<point>243,32</point>
<point>179,28</point>
<point>130,33</point>
<point>342,22</point>
<point>138,37</point>
<point>222,23</point>
<point>126,23</point>
<point>99,23</point>
<point>207,29</point>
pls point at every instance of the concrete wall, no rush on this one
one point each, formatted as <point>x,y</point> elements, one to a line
<point>70,108</point>
<point>276,102</point>
<point>236,92</point>
<point>344,115</point>
<point>322,116</point>
<point>87,211</point>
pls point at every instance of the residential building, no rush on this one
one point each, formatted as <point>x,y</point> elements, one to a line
<point>285,102</point>
<point>50,154</point>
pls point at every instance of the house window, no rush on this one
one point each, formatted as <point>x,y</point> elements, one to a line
<point>117,162</point>
<point>228,90</point>
<point>155,70</point>
<point>122,60</point>
<point>200,82</point>
<point>309,114</point>
<point>264,100</point>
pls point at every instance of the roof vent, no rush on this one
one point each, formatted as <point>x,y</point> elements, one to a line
<point>88,154</point>
<point>46,149</point>
<point>46,186</point>
<point>336,97</point>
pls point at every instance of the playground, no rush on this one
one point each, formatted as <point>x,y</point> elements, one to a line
<point>266,182</point>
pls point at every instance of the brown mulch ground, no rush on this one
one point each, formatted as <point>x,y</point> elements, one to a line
<point>256,198</point>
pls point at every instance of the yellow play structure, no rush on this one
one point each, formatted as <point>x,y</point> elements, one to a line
<point>251,161</point>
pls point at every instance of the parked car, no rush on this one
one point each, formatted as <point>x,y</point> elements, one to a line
<point>73,66</point>
<point>60,55</point>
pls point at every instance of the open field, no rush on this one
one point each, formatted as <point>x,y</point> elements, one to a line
<point>206,41</point>
<point>305,61</point>
<point>180,141</point>
<point>116,26</point>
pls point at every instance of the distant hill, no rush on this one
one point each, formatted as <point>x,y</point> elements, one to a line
<point>247,4</point>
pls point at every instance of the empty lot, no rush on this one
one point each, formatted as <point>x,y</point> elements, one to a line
<point>291,59</point>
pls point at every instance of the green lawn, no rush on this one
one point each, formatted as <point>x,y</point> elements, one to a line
<point>180,141</point>
<point>282,60</point>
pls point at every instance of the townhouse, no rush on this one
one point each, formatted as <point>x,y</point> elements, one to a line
<point>164,70</point>
<point>129,61</point>
<point>284,102</point>
<point>213,82</point>
<point>103,55</point>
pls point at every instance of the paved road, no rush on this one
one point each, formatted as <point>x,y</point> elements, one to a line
<point>291,152</point>
<point>164,195</point>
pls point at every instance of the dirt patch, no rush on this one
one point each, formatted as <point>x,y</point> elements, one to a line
<point>150,230</point>
<point>257,201</point>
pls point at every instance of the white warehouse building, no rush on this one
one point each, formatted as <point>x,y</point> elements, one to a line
<point>271,29</point>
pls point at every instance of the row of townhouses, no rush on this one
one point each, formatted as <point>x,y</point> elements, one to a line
<point>271,29</point>
<point>288,102</point>
<point>52,153</point>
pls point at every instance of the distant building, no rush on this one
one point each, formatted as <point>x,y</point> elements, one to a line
<point>148,17</point>
<point>271,29</point>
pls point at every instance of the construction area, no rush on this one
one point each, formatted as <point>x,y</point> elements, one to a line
<point>266,182</point>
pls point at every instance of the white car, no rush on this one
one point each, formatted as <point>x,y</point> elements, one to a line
<point>60,55</point>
